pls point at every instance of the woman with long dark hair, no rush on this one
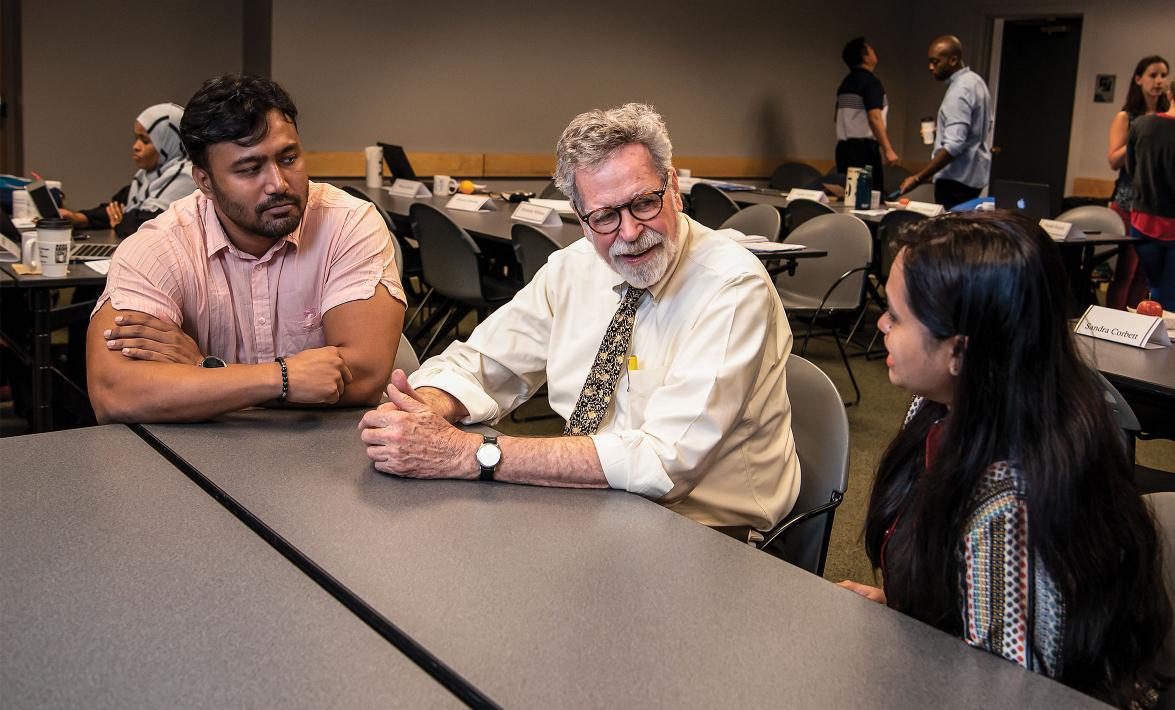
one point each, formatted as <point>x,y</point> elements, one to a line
<point>1004,511</point>
<point>1145,95</point>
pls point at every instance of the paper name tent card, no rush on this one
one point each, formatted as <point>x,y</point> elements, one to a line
<point>801,194</point>
<point>1060,231</point>
<point>538,215</point>
<point>408,188</point>
<point>470,203</point>
<point>927,208</point>
<point>1123,327</point>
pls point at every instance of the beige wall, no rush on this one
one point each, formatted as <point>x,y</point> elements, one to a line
<point>754,79</point>
<point>1114,36</point>
<point>89,68</point>
<point>449,76</point>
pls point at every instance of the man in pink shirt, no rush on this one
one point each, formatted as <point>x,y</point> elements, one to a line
<point>260,288</point>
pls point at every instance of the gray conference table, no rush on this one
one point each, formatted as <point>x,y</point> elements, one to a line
<point>583,598</point>
<point>124,585</point>
<point>1145,377</point>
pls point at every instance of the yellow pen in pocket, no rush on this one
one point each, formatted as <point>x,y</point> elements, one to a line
<point>632,363</point>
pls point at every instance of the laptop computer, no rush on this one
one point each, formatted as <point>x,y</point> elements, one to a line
<point>397,161</point>
<point>42,199</point>
<point>1031,198</point>
<point>10,241</point>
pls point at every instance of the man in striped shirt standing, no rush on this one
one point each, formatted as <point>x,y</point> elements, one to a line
<point>861,111</point>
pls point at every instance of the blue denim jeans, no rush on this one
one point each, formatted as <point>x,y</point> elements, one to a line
<point>1157,258</point>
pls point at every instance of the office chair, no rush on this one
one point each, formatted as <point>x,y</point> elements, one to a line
<point>834,284</point>
<point>821,430</point>
<point>532,247</point>
<point>452,265</point>
<point>799,211</point>
<point>790,175</point>
<point>710,206</point>
<point>759,220</point>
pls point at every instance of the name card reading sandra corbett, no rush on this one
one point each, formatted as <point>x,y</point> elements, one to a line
<point>1123,327</point>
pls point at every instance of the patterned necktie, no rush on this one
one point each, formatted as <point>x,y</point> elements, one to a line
<point>596,394</point>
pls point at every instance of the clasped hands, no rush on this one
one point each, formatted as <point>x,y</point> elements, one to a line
<point>316,376</point>
<point>407,437</point>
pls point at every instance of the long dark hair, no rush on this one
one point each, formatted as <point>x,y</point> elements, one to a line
<point>1135,104</point>
<point>1024,395</point>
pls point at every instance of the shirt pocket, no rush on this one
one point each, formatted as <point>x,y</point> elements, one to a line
<point>642,385</point>
<point>302,332</point>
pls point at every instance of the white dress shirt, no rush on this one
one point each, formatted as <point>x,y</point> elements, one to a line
<point>703,425</point>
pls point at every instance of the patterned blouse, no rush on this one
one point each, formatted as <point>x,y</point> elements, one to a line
<point>1010,604</point>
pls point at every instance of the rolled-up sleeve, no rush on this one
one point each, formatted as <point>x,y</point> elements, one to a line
<point>957,120</point>
<point>703,397</point>
<point>365,259</point>
<point>502,363</point>
<point>143,277</point>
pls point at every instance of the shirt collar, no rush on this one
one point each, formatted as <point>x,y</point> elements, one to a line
<point>683,243</point>
<point>952,77</point>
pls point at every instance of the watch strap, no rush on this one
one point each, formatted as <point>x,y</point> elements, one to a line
<point>487,472</point>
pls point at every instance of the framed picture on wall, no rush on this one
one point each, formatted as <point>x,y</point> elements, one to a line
<point>1103,91</point>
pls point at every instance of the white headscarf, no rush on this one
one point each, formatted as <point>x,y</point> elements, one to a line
<point>171,178</point>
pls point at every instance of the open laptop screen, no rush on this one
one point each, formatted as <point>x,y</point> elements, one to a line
<point>42,199</point>
<point>1031,198</point>
<point>397,161</point>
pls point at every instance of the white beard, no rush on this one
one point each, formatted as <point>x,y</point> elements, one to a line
<point>649,272</point>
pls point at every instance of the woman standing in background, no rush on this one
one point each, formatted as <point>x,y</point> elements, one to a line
<point>1146,95</point>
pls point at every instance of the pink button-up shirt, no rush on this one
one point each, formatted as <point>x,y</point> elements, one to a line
<point>181,267</point>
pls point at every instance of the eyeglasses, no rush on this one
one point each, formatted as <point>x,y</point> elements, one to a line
<point>644,206</point>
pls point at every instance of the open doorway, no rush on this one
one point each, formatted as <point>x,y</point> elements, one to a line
<point>11,146</point>
<point>1035,60</point>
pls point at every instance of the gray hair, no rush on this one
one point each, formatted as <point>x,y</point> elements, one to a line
<point>592,137</point>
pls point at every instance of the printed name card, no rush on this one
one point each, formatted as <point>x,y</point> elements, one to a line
<point>408,188</point>
<point>537,215</point>
<point>1060,231</point>
<point>800,194</point>
<point>470,203</point>
<point>1123,327</point>
<point>927,208</point>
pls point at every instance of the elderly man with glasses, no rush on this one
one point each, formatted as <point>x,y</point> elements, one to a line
<point>662,343</point>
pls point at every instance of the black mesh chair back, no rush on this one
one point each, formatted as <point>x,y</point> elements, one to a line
<point>449,257</point>
<point>791,175</point>
<point>710,206</point>
<point>532,246</point>
<point>888,230</point>
<point>799,211</point>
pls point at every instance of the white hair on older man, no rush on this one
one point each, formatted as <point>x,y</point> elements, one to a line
<point>592,137</point>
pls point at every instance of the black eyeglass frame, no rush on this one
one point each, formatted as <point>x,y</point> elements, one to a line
<point>628,206</point>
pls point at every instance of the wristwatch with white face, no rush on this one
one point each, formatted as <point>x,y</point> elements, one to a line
<point>488,456</point>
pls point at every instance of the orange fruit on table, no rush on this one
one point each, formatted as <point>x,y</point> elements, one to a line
<point>466,187</point>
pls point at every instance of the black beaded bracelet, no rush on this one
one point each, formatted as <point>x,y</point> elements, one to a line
<point>285,379</point>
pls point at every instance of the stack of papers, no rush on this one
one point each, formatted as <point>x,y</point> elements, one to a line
<point>687,183</point>
<point>762,245</point>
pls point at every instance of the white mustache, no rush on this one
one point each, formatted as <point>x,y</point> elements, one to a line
<point>647,240</point>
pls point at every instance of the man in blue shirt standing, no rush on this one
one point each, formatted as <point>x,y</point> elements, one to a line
<point>961,158</point>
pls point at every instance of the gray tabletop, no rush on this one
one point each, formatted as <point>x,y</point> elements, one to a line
<point>124,585</point>
<point>548,597</point>
<point>1145,370</point>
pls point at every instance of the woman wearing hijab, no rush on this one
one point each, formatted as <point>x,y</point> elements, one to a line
<point>165,175</point>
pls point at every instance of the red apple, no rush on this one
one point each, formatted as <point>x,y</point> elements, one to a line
<point>1150,308</point>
